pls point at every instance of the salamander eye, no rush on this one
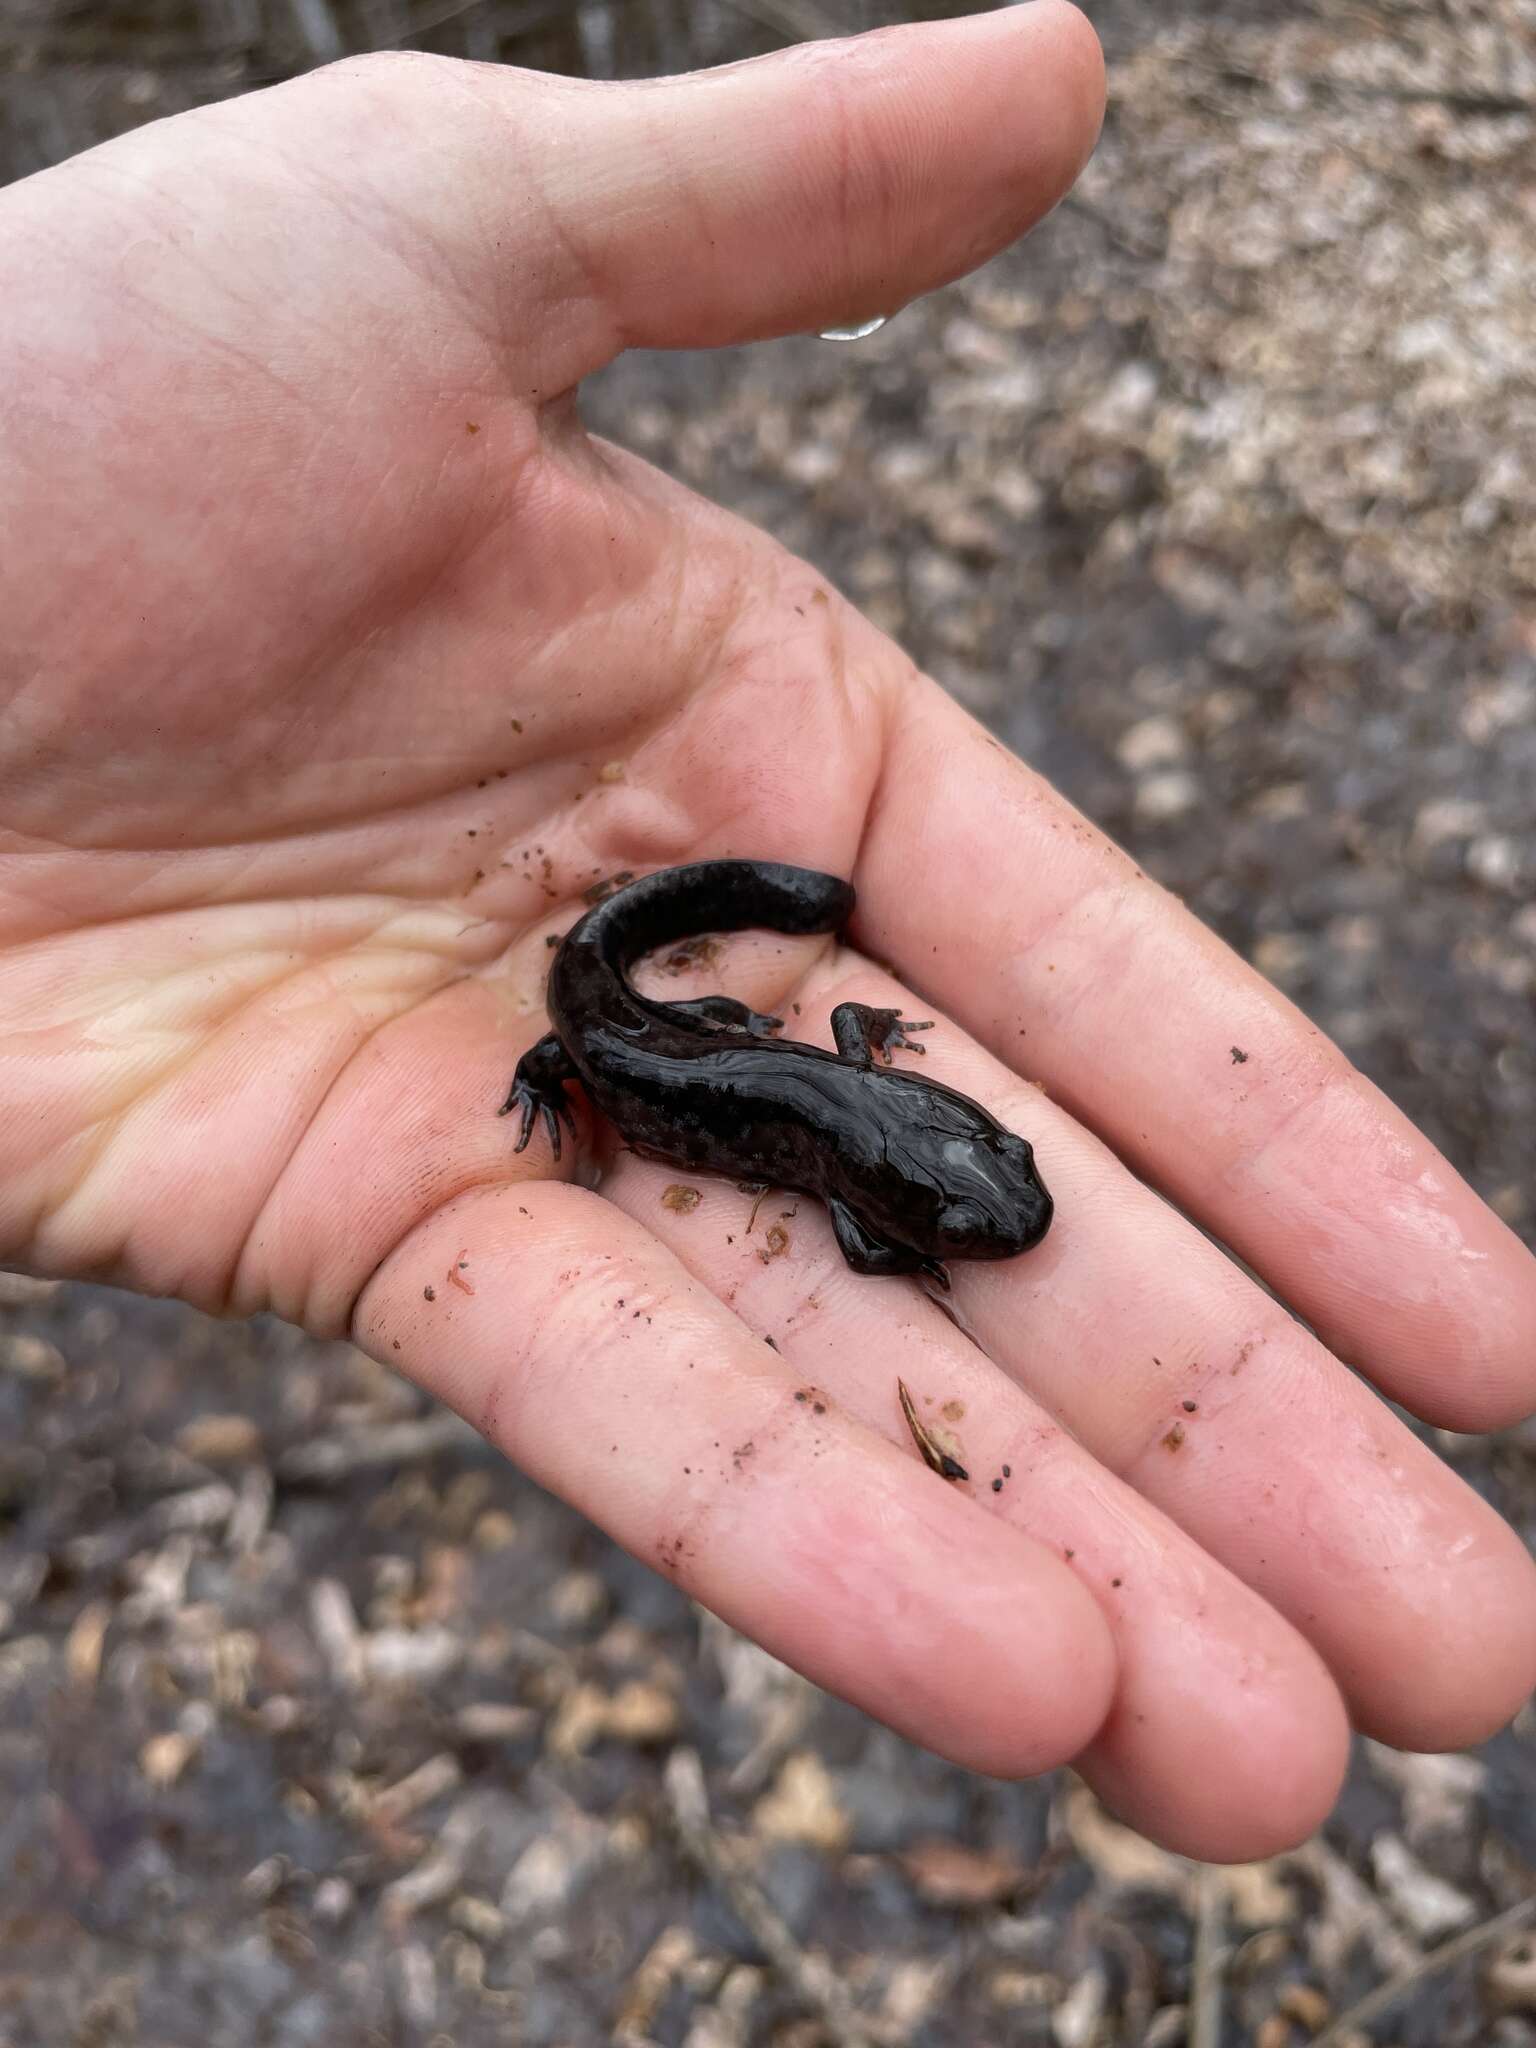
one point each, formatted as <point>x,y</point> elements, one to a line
<point>961,1222</point>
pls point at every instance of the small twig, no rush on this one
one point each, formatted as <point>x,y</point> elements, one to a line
<point>441,1871</point>
<point>429,1781</point>
<point>196,1507</point>
<point>421,21</point>
<point>802,21</point>
<point>1116,231</point>
<point>644,1995</point>
<point>811,1978</point>
<point>898,2022</point>
<point>251,1513</point>
<point>786,1718</point>
<point>392,1443</point>
<point>1455,101</point>
<point>334,1621</point>
<point>1452,101</point>
<point>1356,1904</point>
<point>319,30</point>
<point>1210,1961</point>
<point>1138,2000</point>
<point>1376,2002</point>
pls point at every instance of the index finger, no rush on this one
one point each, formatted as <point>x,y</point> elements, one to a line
<point>582,1347</point>
<point>1082,973</point>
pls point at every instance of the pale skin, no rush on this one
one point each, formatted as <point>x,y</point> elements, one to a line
<point>322,618</point>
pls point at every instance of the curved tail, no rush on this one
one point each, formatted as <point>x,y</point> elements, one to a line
<point>712,896</point>
<point>680,903</point>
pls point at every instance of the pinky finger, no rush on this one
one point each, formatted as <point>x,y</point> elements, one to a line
<point>590,1356</point>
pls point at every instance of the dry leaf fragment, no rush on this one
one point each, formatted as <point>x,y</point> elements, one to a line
<point>164,1757</point>
<point>949,1874</point>
<point>642,1713</point>
<point>934,1455</point>
<point>32,1358</point>
<point>1119,1853</point>
<point>777,1243</point>
<point>219,1439</point>
<point>83,1644</point>
<point>1420,1898</point>
<point>803,1805</point>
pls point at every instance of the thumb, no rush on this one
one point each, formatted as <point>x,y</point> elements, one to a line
<point>827,183</point>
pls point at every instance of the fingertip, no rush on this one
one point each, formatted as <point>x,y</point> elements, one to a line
<point>1045,40</point>
<point>1251,1785</point>
<point>958,1630</point>
<point>1079,57</point>
<point>861,171</point>
<point>1449,1327</point>
<point>1500,1401</point>
<point>1471,1365</point>
<point>1027,88</point>
<point>1049,1709</point>
<point>1481,1666</point>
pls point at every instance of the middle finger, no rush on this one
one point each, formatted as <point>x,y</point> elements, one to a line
<point>1183,1376</point>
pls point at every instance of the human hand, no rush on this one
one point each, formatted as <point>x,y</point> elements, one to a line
<point>322,617</point>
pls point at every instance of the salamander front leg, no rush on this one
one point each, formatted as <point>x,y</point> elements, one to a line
<point>861,1032</point>
<point>538,1089</point>
<point>724,1013</point>
<point>866,1253</point>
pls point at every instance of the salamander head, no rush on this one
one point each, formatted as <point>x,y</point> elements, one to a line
<point>994,1203</point>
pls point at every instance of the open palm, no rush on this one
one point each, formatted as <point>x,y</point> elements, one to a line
<point>337,664</point>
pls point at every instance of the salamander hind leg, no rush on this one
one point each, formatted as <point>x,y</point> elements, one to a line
<point>538,1090</point>
<point>869,1254</point>
<point>724,1013</point>
<point>861,1032</point>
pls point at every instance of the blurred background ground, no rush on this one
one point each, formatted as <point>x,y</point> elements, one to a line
<point>1216,500</point>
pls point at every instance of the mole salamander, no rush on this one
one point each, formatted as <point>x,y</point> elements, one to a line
<point>912,1172</point>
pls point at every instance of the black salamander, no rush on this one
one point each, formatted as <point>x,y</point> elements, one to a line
<point>912,1172</point>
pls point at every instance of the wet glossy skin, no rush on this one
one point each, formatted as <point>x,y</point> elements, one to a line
<point>912,1172</point>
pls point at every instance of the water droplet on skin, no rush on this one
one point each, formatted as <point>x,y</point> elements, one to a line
<point>860,332</point>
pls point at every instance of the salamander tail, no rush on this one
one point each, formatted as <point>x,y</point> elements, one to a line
<point>714,896</point>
